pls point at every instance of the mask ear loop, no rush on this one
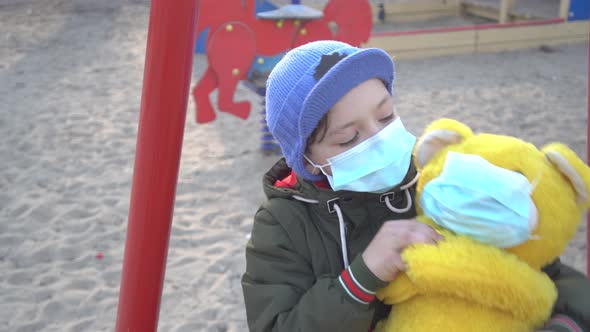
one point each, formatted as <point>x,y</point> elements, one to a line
<point>534,185</point>
<point>536,181</point>
<point>316,166</point>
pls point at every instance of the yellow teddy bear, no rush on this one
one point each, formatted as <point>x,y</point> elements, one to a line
<point>465,285</point>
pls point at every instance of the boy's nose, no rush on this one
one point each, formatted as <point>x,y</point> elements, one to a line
<point>374,128</point>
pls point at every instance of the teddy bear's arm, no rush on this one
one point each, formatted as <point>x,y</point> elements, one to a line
<point>486,275</point>
<point>399,290</point>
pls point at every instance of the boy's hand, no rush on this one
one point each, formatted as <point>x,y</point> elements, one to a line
<point>382,255</point>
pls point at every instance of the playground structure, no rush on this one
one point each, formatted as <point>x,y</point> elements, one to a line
<point>245,40</point>
<point>502,26</point>
<point>168,64</point>
<point>237,41</point>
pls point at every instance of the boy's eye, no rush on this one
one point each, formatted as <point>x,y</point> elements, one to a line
<point>351,141</point>
<point>387,118</point>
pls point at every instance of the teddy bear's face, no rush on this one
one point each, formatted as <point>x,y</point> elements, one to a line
<point>558,202</point>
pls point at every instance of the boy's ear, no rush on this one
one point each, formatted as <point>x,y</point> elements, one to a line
<point>438,135</point>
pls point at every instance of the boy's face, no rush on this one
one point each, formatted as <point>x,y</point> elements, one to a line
<point>360,114</point>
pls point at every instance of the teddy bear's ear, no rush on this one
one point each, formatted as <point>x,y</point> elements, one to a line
<point>572,167</point>
<point>438,135</point>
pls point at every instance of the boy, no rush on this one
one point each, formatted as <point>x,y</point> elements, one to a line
<point>345,189</point>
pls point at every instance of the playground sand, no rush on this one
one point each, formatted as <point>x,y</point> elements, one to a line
<point>70,87</point>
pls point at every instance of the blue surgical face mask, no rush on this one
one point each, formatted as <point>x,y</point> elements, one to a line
<point>375,165</point>
<point>487,203</point>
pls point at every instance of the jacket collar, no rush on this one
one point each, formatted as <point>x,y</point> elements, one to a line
<point>351,203</point>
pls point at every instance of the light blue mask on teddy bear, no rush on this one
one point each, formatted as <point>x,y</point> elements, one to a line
<point>487,203</point>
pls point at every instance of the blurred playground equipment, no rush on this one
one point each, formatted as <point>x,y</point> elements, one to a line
<point>479,26</point>
<point>244,43</point>
<point>244,39</point>
<point>241,40</point>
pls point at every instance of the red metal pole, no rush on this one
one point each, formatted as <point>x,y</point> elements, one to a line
<point>167,73</point>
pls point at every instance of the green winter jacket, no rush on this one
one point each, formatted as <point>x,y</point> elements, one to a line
<point>295,278</point>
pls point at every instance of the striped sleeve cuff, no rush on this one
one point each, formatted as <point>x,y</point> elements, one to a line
<point>359,282</point>
<point>562,323</point>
